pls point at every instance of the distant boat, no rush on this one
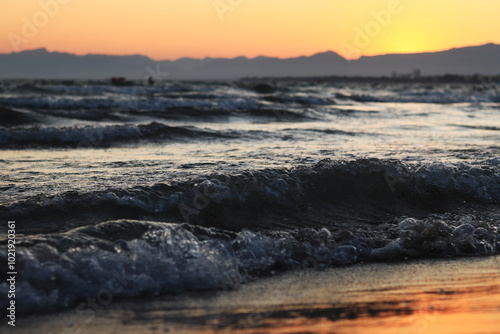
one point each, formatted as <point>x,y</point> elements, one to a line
<point>120,81</point>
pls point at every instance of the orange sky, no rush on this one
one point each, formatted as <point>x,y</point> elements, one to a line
<point>170,29</point>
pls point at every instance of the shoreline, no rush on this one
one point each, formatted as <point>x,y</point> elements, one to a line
<point>424,296</point>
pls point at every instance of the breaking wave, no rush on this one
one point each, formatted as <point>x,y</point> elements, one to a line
<point>131,258</point>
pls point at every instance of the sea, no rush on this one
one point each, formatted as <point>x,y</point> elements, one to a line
<point>137,190</point>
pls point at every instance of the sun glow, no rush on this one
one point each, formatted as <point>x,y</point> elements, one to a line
<point>404,42</point>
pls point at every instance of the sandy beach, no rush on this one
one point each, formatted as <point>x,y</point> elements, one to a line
<point>426,296</point>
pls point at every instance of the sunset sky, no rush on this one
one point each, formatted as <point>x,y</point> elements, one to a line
<point>171,29</point>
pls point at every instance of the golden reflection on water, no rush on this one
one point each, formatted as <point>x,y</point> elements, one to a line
<point>465,312</point>
<point>421,297</point>
<point>442,298</point>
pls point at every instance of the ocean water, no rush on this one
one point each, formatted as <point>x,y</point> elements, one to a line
<point>187,186</point>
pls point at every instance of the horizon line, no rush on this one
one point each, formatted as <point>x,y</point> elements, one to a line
<point>243,56</point>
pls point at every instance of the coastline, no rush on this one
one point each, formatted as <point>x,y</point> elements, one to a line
<point>425,296</point>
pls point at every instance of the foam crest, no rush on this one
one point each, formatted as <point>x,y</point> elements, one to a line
<point>131,258</point>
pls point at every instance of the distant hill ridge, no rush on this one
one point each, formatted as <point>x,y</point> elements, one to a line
<point>41,64</point>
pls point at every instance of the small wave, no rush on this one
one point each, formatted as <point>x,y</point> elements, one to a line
<point>479,127</point>
<point>96,136</point>
<point>16,117</point>
<point>421,97</point>
<point>192,113</point>
<point>126,103</point>
<point>334,132</point>
<point>33,88</point>
<point>87,88</point>
<point>319,195</point>
<point>300,99</point>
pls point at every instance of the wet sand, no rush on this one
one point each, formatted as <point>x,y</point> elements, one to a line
<point>427,296</point>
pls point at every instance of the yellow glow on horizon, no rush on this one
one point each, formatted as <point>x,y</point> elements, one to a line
<point>405,41</point>
<point>171,29</point>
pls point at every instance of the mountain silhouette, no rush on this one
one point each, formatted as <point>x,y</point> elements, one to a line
<point>41,64</point>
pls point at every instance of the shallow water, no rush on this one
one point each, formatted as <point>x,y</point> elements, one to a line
<point>445,296</point>
<point>187,186</point>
